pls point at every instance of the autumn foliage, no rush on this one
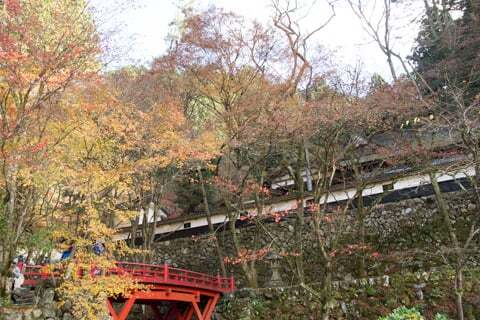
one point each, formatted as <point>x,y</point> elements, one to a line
<point>231,106</point>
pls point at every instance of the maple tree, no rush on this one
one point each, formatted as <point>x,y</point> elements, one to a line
<point>83,177</point>
<point>228,94</point>
<point>160,146</point>
<point>336,127</point>
<point>63,177</point>
<point>120,160</point>
<point>44,47</point>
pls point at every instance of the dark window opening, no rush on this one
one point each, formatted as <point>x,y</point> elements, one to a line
<point>187,225</point>
<point>387,187</point>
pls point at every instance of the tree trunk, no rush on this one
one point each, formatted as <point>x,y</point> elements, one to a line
<point>459,292</point>
<point>248,270</point>
<point>211,229</point>
<point>9,245</point>
<point>443,209</point>
<point>5,273</point>
<point>361,234</point>
<point>134,223</point>
<point>327,290</point>
<point>390,64</point>
<point>476,178</point>
<point>300,215</point>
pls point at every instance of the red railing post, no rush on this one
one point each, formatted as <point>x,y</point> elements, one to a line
<point>232,282</point>
<point>165,272</point>
<point>219,281</point>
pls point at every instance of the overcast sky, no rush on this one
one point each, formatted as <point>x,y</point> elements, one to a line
<point>145,24</point>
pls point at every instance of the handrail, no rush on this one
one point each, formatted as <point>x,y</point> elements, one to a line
<point>148,274</point>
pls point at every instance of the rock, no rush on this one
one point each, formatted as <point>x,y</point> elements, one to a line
<point>67,306</point>
<point>27,314</point>
<point>268,295</point>
<point>391,302</point>
<point>405,299</point>
<point>36,313</point>
<point>12,316</point>
<point>336,285</point>
<point>67,316</point>
<point>348,278</point>
<point>386,281</point>
<point>49,313</point>
<point>245,293</point>
<point>419,290</point>
<point>48,296</point>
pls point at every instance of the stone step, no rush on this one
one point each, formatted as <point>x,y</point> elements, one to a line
<point>24,302</point>
<point>19,299</point>
<point>23,296</point>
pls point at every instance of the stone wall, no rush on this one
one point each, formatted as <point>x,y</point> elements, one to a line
<point>42,307</point>
<point>366,299</point>
<point>407,225</point>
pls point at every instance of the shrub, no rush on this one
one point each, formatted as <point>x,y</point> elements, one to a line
<point>404,313</point>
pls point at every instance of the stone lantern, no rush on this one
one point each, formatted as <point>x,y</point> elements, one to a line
<point>275,279</point>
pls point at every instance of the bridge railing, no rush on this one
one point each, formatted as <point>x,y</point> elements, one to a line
<point>34,273</point>
<point>144,273</point>
<point>149,273</point>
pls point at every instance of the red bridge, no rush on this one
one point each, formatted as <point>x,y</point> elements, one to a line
<point>174,294</point>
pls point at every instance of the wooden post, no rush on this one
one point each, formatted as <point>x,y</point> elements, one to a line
<point>210,307</point>
<point>188,313</point>
<point>125,310</point>
<point>197,311</point>
<point>165,272</point>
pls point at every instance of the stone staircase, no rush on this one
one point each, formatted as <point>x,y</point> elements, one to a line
<point>23,296</point>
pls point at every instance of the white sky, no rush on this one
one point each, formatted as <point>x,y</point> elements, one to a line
<point>144,26</point>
